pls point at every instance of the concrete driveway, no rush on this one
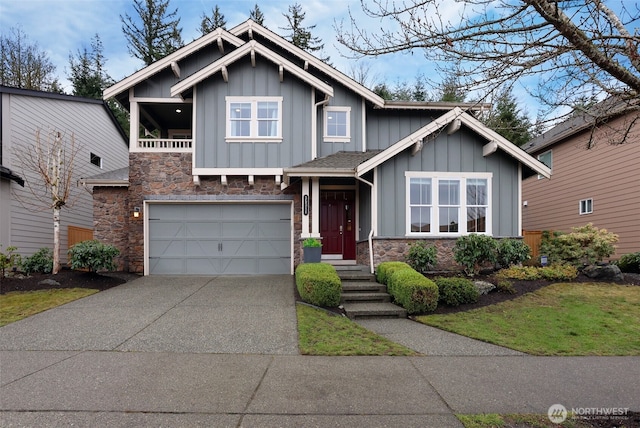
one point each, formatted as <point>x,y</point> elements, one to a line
<point>225,315</point>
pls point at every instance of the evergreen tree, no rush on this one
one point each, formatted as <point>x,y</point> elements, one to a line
<point>299,35</point>
<point>210,23</point>
<point>451,89</point>
<point>87,74</point>
<point>154,34</point>
<point>507,119</point>
<point>23,65</point>
<point>257,15</point>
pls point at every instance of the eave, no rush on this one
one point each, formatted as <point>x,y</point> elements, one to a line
<point>249,48</point>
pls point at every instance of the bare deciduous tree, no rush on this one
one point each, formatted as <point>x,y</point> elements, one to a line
<point>570,48</point>
<point>53,162</point>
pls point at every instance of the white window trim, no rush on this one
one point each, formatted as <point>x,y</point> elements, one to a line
<point>91,156</point>
<point>253,138</point>
<point>550,151</point>
<point>585,201</point>
<point>435,176</point>
<point>332,138</point>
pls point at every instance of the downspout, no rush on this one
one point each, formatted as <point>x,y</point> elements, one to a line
<point>314,126</point>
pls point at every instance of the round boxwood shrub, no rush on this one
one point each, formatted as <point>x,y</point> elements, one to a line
<point>413,291</point>
<point>385,269</point>
<point>456,291</point>
<point>629,263</point>
<point>318,284</point>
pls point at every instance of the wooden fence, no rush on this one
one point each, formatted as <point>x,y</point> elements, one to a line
<point>533,238</point>
<point>78,234</point>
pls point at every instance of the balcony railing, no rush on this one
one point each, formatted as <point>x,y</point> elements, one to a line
<point>163,145</point>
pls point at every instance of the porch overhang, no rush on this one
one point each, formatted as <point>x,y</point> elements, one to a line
<point>340,164</point>
<point>8,174</point>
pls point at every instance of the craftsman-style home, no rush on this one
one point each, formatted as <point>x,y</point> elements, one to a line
<point>242,145</point>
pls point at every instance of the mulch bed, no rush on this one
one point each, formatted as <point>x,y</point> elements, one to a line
<point>66,278</point>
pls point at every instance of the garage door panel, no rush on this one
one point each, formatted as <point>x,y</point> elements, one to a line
<point>219,238</point>
<point>202,247</point>
<point>202,229</point>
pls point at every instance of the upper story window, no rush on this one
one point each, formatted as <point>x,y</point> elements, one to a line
<point>448,203</point>
<point>547,159</point>
<point>96,160</point>
<point>254,119</point>
<point>337,124</point>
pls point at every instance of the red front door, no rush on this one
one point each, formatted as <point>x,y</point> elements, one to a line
<point>337,224</point>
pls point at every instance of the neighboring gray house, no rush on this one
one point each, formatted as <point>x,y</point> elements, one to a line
<point>252,144</point>
<point>102,146</point>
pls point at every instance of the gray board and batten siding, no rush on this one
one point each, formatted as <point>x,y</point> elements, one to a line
<point>244,80</point>
<point>459,152</point>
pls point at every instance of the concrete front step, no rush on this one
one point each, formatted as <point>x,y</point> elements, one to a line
<point>356,276</point>
<point>365,297</point>
<point>374,310</point>
<point>363,287</point>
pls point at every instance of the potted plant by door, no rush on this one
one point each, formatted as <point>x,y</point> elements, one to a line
<point>312,249</point>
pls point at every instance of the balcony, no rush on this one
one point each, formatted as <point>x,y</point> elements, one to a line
<point>166,145</point>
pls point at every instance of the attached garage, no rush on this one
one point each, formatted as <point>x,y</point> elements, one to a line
<point>219,238</point>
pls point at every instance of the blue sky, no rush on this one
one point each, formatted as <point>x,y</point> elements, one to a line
<point>61,27</point>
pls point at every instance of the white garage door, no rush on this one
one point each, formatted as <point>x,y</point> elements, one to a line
<point>212,239</point>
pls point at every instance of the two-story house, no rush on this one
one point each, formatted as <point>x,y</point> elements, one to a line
<point>101,145</point>
<point>250,144</point>
<point>595,177</point>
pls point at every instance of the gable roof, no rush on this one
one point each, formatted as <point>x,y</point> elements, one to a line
<point>216,36</point>
<point>250,26</point>
<point>495,141</point>
<point>246,49</point>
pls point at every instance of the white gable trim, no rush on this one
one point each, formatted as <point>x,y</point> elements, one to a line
<point>246,49</point>
<point>251,27</point>
<point>474,124</point>
<point>141,75</point>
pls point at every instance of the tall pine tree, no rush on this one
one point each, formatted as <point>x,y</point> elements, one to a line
<point>87,73</point>
<point>300,35</point>
<point>257,15</point>
<point>508,120</point>
<point>210,23</point>
<point>154,33</point>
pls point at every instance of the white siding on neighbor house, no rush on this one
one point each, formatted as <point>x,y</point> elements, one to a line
<point>31,222</point>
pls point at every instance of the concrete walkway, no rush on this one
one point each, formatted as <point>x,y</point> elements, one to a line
<point>222,351</point>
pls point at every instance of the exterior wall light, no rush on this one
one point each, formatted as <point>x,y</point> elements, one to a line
<point>136,212</point>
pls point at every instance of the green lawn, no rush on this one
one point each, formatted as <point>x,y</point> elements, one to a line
<point>17,305</point>
<point>322,333</point>
<point>492,420</point>
<point>561,319</point>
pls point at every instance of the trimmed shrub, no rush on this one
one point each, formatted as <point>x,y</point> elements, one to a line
<point>40,262</point>
<point>473,250</point>
<point>555,272</point>
<point>586,245</point>
<point>413,291</point>
<point>456,291</point>
<point>629,263</point>
<point>385,269</point>
<point>512,252</point>
<point>422,257</point>
<point>8,260</point>
<point>93,255</point>
<point>318,284</point>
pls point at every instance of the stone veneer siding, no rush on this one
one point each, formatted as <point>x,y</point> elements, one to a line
<point>397,249</point>
<point>169,174</point>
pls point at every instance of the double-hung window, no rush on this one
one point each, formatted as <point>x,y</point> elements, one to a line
<point>547,159</point>
<point>448,203</point>
<point>337,124</point>
<point>254,119</point>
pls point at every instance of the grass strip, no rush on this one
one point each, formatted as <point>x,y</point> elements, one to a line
<point>322,333</point>
<point>561,319</point>
<point>17,305</point>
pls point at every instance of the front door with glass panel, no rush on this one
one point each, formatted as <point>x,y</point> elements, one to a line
<point>337,224</point>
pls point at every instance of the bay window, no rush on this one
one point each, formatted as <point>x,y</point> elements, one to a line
<point>454,203</point>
